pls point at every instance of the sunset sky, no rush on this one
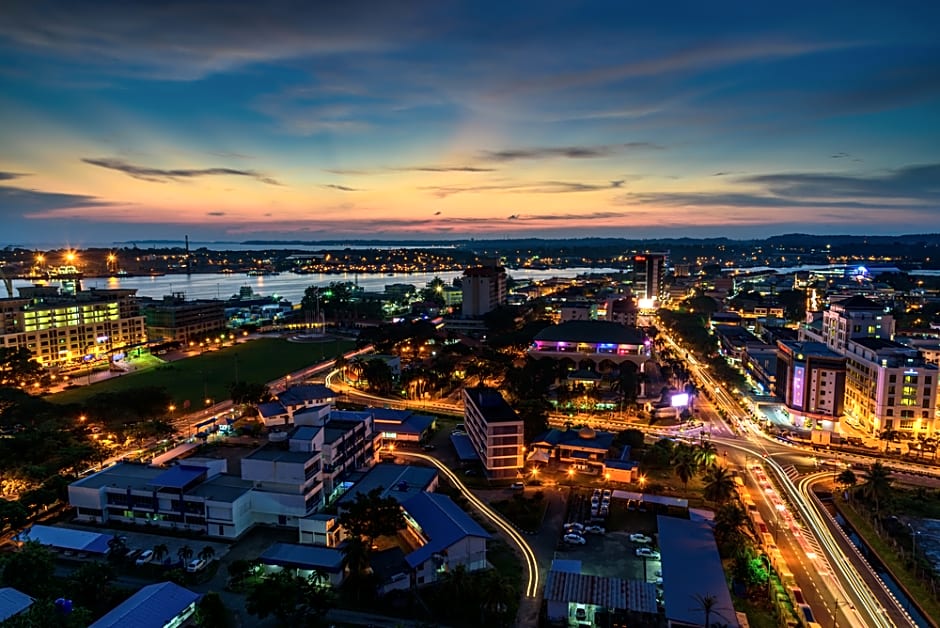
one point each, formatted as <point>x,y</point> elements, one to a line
<point>442,120</point>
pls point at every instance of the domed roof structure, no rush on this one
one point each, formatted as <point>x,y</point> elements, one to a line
<point>587,433</point>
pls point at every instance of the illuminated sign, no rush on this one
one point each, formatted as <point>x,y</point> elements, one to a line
<point>680,400</point>
<point>799,374</point>
<point>646,304</point>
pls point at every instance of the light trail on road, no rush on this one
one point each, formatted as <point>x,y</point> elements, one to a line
<point>874,614</point>
<point>532,566</point>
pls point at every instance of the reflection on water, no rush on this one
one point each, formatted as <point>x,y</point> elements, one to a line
<point>289,285</point>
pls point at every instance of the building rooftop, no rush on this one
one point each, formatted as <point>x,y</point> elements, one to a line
<point>67,538</point>
<point>13,602</point>
<point>858,303</point>
<point>881,344</point>
<point>491,404</point>
<point>400,481</point>
<point>817,349</point>
<point>154,606</point>
<point>692,568</point>
<point>403,422</point>
<point>271,408</point>
<point>123,475</point>
<point>274,452</point>
<point>304,432</point>
<point>443,523</point>
<point>304,557</point>
<point>464,446</point>
<point>222,488</point>
<point>300,395</point>
<point>583,438</point>
<point>579,588</point>
<point>591,332</point>
<point>180,477</point>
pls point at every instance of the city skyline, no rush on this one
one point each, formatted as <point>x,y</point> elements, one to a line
<point>458,120</point>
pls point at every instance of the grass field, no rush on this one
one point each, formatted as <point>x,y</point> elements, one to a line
<point>889,557</point>
<point>209,375</point>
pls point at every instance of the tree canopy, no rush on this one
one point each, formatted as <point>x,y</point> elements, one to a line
<point>370,515</point>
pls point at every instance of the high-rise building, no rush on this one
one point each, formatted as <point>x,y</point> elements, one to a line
<point>484,288</point>
<point>649,272</point>
<point>495,430</point>
<point>62,329</point>
<point>811,381</point>
<point>855,317</point>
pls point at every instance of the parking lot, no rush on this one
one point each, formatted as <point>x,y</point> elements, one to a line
<point>142,541</point>
<point>611,554</point>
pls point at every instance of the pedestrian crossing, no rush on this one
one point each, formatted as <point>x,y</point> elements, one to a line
<point>791,472</point>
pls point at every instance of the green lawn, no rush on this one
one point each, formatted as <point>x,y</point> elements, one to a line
<point>209,375</point>
<point>889,557</point>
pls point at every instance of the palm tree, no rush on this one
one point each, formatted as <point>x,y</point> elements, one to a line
<point>847,480</point>
<point>456,582</point>
<point>719,484</point>
<point>730,525</point>
<point>160,552</point>
<point>496,594</point>
<point>207,553</point>
<point>356,561</point>
<point>684,463</point>
<point>706,454</point>
<point>877,484</point>
<point>706,604</point>
<point>184,553</point>
<point>888,435</point>
<point>117,548</point>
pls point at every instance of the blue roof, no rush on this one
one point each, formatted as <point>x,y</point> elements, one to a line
<point>180,476</point>
<point>400,481</point>
<point>692,567</point>
<point>389,414</point>
<point>304,432</point>
<point>300,395</point>
<point>304,557</point>
<point>271,408</point>
<point>13,602</point>
<point>625,465</point>
<point>154,606</point>
<point>67,538</point>
<point>443,523</point>
<point>464,446</point>
<point>600,441</point>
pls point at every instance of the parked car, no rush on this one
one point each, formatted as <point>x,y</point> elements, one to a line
<point>607,494</point>
<point>595,530</point>
<point>594,511</point>
<point>640,538</point>
<point>597,493</point>
<point>574,527</point>
<point>144,558</point>
<point>595,501</point>
<point>460,427</point>
<point>518,486</point>
<point>647,552</point>
<point>604,511</point>
<point>471,473</point>
<point>574,539</point>
<point>196,564</point>
<point>429,447</point>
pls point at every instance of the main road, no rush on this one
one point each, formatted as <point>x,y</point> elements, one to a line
<point>859,596</point>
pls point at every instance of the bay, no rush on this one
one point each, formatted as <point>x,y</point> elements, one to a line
<point>291,286</point>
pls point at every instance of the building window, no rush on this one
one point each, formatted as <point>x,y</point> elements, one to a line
<point>890,412</point>
<point>892,378</point>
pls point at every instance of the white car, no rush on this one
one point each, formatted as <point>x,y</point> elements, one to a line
<point>595,530</point>
<point>196,564</point>
<point>574,539</point>
<point>594,511</point>
<point>640,538</point>
<point>647,553</point>
<point>604,511</point>
<point>144,558</point>
<point>607,494</point>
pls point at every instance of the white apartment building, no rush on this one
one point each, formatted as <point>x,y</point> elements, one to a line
<point>855,317</point>
<point>63,330</point>
<point>890,386</point>
<point>496,431</point>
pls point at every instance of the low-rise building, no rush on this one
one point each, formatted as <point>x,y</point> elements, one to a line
<point>295,399</point>
<point>584,450</point>
<point>13,602</point>
<point>600,345</point>
<point>161,605</point>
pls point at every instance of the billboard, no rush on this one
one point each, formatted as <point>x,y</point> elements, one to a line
<point>799,375</point>
<point>679,400</point>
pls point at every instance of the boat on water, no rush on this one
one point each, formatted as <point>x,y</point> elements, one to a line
<point>262,273</point>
